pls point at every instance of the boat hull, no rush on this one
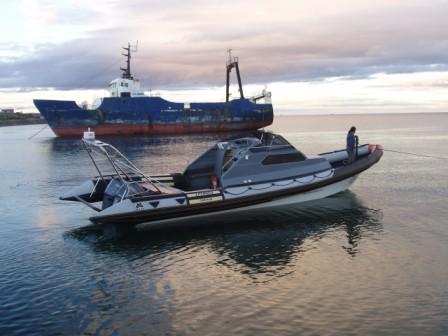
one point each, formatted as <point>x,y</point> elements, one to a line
<point>153,116</point>
<point>312,195</point>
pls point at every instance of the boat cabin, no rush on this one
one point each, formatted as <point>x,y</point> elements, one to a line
<point>265,157</point>
<point>124,87</point>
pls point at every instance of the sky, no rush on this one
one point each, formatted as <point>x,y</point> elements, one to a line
<point>340,56</point>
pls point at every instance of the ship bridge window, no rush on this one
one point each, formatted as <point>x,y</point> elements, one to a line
<point>283,158</point>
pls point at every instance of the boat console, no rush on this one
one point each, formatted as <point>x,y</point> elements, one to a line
<point>266,157</point>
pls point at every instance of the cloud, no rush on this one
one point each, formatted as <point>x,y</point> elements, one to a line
<point>183,44</point>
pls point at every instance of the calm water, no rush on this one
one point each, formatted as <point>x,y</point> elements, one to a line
<point>371,261</point>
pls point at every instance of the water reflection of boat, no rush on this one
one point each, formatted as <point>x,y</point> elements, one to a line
<point>262,242</point>
<point>236,175</point>
<point>286,233</point>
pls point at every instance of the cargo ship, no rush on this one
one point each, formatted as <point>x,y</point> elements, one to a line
<point>128,111</point>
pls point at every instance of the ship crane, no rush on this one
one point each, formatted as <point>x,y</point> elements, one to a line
<point>233,63</point>
<point>263,95</point>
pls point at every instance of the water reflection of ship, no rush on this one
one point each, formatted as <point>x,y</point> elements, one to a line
<point>127,144</point>
<point>259,242</point>
<point>144,144</point>
<point>144,152</point>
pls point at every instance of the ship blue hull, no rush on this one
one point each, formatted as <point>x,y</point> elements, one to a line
<point>153,115</point>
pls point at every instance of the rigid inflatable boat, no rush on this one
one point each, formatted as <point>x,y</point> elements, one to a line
<point>263,170</point>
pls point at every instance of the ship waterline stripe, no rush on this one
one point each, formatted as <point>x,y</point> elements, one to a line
<point>178,128</point>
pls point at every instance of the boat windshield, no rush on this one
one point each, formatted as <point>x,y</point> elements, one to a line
<point>109,161</point>
<point>271,139</point>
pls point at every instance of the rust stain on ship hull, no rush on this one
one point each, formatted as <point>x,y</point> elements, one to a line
<point>121,129</point>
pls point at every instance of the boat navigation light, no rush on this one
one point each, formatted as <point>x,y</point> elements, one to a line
<point>89,135</point>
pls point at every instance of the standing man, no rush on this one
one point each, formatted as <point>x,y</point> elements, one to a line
<point>351,145</point>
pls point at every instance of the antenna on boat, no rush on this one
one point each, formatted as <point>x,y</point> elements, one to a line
<point>127,71</point>
<point>229,51</point>
<point>232,62</point>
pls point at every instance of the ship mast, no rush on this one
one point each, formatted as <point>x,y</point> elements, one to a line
<point>233,63</point>
<point>127,71</point>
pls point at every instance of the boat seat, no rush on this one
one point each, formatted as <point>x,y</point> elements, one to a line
<point>165,190</point>
<point>199,178</point>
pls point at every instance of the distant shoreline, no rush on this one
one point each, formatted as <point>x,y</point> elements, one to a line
<point>282,114</point>
<point>18,119</point>
<point>6,123</point>
<point>308,122</point>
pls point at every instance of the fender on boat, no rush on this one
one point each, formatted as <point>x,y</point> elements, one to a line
<point>343,155</point>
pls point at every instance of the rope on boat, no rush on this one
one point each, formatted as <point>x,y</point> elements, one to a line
<point>314,176</point>
<point>414,154</point>
<point>46,125</point>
